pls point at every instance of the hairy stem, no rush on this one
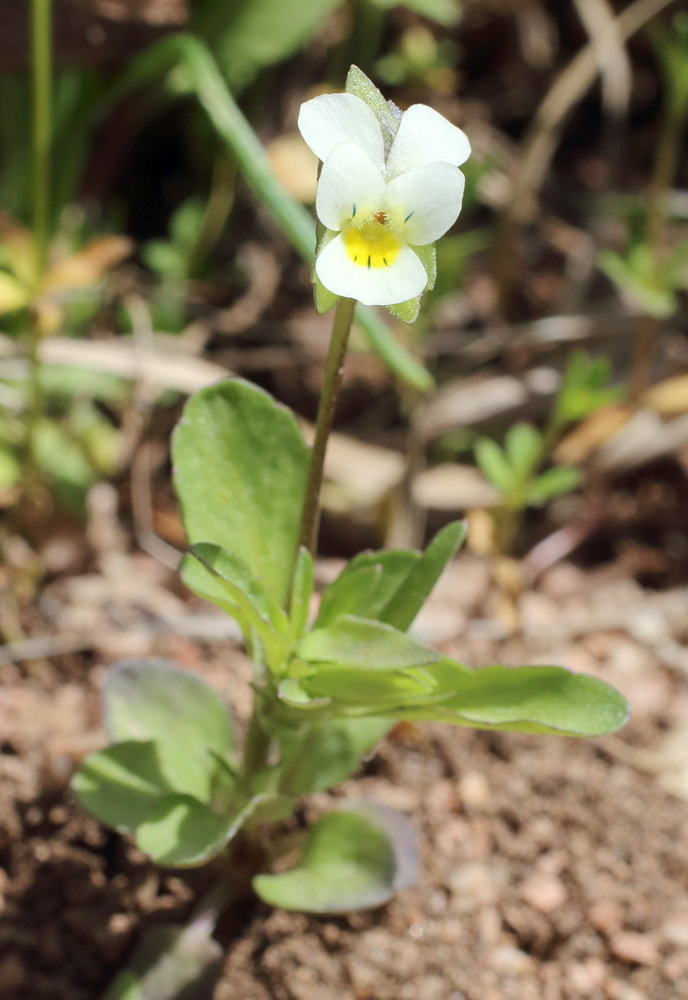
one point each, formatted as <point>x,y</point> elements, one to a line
<point>310,517</point>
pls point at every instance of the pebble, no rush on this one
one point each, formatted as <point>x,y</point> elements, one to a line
<point>605,916</point>
<point>675,931</point>
<point>511,960</point>
<point>635,948</point>
<point>472,886</point>
<point>543,892</point>
<point>474,790</point>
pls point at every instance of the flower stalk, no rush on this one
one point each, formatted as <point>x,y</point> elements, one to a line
<point>334,366</point>
<point>41,181</point>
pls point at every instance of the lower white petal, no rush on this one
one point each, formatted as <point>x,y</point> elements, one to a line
<point>425,201</point>
<point>350,185</point>
<point>327,120</point>
<point>425,136</point>
<point>375,286</point>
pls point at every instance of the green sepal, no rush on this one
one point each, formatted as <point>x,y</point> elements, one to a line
<point>388,115</point>
<point>407,311</point>
<point>324,299</point>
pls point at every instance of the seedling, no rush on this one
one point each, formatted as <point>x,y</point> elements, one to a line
<point>516,469</point>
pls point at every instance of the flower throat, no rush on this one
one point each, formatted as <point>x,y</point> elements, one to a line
<point>371,244</point>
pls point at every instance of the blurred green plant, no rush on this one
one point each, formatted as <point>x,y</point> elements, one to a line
<point>515,469</point>
<point>419,58</point>
<point>649,270</point>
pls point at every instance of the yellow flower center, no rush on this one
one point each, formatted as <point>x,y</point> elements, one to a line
<point>372,244</point>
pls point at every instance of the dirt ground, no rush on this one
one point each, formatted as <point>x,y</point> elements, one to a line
<point>552,869</point>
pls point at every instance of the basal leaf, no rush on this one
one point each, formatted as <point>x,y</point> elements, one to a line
<point>348,863</point>
<point>122,784</point>
<point>147,699</point>
<point>155,700</point>
<point>362,644</point>
<point>183,832</point>
<point>240,466</point>
<point>409,598</point>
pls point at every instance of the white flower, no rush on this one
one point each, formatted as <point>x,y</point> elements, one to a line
<point>381,206</point>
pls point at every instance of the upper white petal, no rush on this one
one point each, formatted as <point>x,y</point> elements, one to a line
<point>425,136</point>
<point>428,200</point>
<point>375,286</point>
<point>327,120</point>
<point>350,183</point>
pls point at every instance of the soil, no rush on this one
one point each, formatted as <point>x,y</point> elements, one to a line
<point>552,869</point>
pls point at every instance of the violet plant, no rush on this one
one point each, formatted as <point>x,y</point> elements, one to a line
<point>325,690</point>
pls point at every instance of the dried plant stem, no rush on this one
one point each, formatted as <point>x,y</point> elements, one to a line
<point>665,168</point>
<point>310,517</point>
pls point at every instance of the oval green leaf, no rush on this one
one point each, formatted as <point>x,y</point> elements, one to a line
<point>240,466</point>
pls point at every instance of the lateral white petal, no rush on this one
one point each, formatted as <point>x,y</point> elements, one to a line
<point>376,286</point>
<point>428,198</point>
<point>425,136</point>
<point>327,120</point>
<point>350,184</point>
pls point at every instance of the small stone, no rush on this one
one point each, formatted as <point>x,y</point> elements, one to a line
<point>474,790</point>
<point>543,892</point>
<point>618,990</point>
<point>675,931</point>
<point>511,960</point>
<point>605,916</point>
<point>472,886</point>
<point>634,948</point>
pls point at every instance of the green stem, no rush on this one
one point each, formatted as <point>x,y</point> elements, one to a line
<point>42,72</point>
<point>41,52</point>
<point>310,517</point>
<point>256,745</point>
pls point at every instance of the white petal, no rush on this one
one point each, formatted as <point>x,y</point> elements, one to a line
<point>426,200</point>
<point>350,184</point>
<point>376,286</point>
<point>327,120</point>
<point>425,136</point>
